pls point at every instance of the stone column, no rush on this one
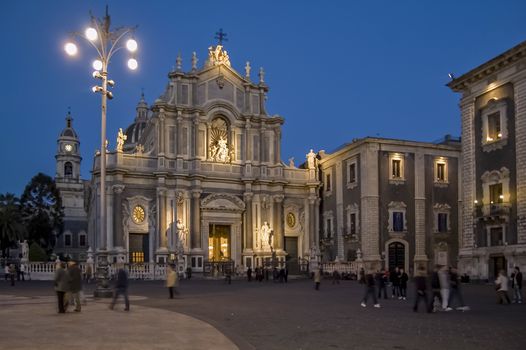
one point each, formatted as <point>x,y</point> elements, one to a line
<point>109,218</point>
<point>278,223</point>
<point>420,258</point>
<point>179,133</point>
<point>338,188</point>
<point>161,132</point>
<point>520,149</point>
<point>370,211</point>
<point>249,241</point>
<point>196,220</point>
<point>118,238</point>
<point>161,196</point>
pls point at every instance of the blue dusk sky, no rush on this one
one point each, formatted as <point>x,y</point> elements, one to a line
<point>337,70</point>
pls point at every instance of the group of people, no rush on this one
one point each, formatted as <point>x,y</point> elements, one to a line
<point>68,285</point>
<point>278,275</point>
<point>502,286</point>
<point>14,272</point>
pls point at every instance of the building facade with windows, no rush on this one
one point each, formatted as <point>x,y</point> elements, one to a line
<point>391,203</point>
<point>198,176</point>
<point>493,112</point>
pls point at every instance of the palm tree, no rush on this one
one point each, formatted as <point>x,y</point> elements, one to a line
<point>12,228</point>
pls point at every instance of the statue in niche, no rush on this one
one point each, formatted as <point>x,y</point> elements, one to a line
<point>266,236</point>
<point>219,148</point>
<point>120,140</point>
<point>181,233</point>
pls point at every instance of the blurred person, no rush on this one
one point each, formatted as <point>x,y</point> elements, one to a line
<point>381,281</point>
<point>121,287</point>
<point>443,277</point>
<point>335,277</point>
<point>249,274</point>
<point>421,289</point>
<point>403,284</point>
<point>455,291</point>
<point>369,290</point>
<point>12,273</point>
<point>74,284</point>
<point>395,282</point>
<point>501,285</point>
<point>436,297</point>
<point>171,280</point>
<point>516,284</point>
<point>317,279</point>
<point>61,285</point>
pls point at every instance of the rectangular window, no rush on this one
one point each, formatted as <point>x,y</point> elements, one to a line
<point>494,129</point>
<point>396,168</point>
<point>441,172</point>
<point>496,236</point>
<point>353,224</point>
<point>185,141</point>
<point>171,139</point>
<point>67,240</point>
<point>255,148</point>
<point>398,221</point>
<point>82,240</point>
<point>328,183</point>
<point>329,224</point>
<point>495,193</point>
<point>352,173</point>
<point>184,94</point>
<point>442,222</point>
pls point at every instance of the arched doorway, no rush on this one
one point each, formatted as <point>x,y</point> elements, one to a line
<point>396,255</point>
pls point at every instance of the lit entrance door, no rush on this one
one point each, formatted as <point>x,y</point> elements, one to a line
<point>396,255</point>
<point>291,247</point>
<point>138,248</point>
<point>219,242</point>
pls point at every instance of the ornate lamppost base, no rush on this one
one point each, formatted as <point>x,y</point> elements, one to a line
<point>103,289</point>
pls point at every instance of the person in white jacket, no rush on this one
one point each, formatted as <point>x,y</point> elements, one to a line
<point>501,285</point>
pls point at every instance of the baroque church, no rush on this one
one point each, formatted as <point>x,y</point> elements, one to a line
<point>198,175</point>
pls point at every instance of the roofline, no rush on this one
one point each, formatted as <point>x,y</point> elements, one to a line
<point>503,60</point>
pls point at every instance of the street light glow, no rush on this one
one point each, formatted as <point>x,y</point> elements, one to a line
<point>131,45</point>
<point>97,64</point>
<point>91,34</point>
<point>71,49</point>
<point>132,64</point>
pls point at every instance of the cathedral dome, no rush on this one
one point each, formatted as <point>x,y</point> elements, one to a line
<point>135,130</point>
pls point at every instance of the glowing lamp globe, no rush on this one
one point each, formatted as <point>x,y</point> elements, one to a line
<point>97,65</point>
<point>71,49</point>
<point>131,45</point>
<point>132,64</point>
<point>91,34</point>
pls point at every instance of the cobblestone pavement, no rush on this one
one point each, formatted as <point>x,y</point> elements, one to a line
<point>270,315</point>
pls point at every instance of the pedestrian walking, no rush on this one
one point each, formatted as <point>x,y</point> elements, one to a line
<point>121,287</point>
<point>12,273</point>
<point>455,291</point>
<point>501,285</point>
<point>443,277</point>
<point>435,303</point>
<point>74,280</point>
<point>23,271</point>
<point>317,279</point>
<point>335,277</point>
<point>395,282</point>
<point>369,290</point>
<point>403,284</point>
<point>249,274</point>
<point>286,275</point>
<point>61,285</point>
<point>516,284</point>
<point>6,271</point>
<point>361,276</point>
<point>172,280</point>
<point>421,289</point>
<point>381,281</point>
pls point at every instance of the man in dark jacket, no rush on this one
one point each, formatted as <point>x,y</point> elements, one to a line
<point>435,289</point>
<point>61,285</point>
<point>454,290</point>
<point>516,284</point>
<point>395,282</point>
<point>421,289</point>
<point>74,278</point>
<point>403,284</point>
<point>121,287</point>
<point>381,282</point>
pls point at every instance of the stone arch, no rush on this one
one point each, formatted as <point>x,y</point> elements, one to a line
<point>405,244</point>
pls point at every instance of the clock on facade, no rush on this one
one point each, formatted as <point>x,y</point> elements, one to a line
<point>291,219</point>
<point>68,147</point>
<point>138,214</point>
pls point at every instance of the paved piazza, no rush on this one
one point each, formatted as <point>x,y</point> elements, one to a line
<point>209,314</point>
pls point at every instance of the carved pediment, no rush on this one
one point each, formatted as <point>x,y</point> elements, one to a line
<point>222,201</point>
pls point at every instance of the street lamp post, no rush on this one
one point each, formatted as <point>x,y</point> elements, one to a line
<point>106,43</point>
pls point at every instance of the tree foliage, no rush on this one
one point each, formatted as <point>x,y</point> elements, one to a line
<point>12,228</point>
<point>42,211</point>
<point>36,253</point>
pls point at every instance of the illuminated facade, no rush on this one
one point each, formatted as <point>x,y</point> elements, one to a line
<point>493,111</point>
<point>199,176</point>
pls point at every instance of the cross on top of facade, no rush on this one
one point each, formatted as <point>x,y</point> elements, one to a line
<point>221,36</point>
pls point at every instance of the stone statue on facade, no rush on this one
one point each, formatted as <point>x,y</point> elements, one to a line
<point>291,162</point>
<point>220,151</point>
<point>24,247</point>
<point>247,71</point>
<point>311,159</point>
<point>121,137</point>
<point>266,236</point>
<point>181,234</point>
<point>217,56</point>
<point>194,61</point>
<point>261,75</point>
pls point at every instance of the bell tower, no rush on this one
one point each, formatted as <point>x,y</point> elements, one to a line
<point>68,154</point>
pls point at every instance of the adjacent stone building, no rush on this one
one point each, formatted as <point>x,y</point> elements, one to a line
<point>391,203</point>
<point>493,110</point>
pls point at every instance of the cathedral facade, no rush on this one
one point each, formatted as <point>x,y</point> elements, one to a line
<point>198,176</point>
